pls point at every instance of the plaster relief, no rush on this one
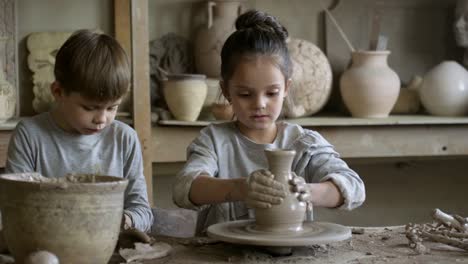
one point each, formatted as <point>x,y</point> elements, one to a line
<point>43,47</point>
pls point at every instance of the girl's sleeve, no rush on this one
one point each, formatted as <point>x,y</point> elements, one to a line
<point>319,162</point>
<point>201,159</point>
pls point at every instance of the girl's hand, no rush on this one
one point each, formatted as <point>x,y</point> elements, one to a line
<point>263,191</point>
<point>299,185</point>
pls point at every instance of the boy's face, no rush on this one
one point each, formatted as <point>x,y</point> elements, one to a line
<point>76,114</point>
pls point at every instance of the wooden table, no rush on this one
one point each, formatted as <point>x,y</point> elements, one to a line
<point>375,245</point>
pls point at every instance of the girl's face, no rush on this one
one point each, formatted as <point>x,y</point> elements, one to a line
<point>256,90</point>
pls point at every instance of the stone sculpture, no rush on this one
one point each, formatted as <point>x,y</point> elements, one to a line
<point>461,27</point>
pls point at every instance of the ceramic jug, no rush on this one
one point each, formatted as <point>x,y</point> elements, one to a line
<point>287,216</point>
<point>370,87</point>
<point>444,90</point>
<point>210,39</point>
<point>7,98</point>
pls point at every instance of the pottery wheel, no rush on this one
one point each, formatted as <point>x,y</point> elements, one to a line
<point>243,232</point>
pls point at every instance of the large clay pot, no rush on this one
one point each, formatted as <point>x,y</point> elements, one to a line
<point>77,218</point>
<point>444,90</point>
<point>370,87</point>
<point>210,38</point>
<point>288,216</point>
<point>185,95</point>
<point>7,98</point>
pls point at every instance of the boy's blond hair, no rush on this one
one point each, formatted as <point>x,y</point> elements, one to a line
<point>93,65</point>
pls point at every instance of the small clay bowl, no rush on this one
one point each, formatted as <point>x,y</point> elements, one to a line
<point>222,111</point>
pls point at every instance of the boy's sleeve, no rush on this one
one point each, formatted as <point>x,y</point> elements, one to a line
<point>322,163</point>
<point>201,159</point>
<point>136,196</point>
<point>20,155</point>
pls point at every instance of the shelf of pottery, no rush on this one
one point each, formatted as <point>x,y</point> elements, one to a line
<point>356,86</point>
<point>389,91</point>
<point>369,78</point>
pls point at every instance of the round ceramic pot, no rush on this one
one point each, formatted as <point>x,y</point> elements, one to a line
<point>185,95</point>
<point>209,40</point>
<point>369,88</point>
<point>77,218</point>
<point>444,90</point>
<point>287,216</point>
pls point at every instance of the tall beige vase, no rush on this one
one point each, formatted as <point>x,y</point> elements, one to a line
<point>370,88</point>
<point>288,216</point>
<point>221,16</point>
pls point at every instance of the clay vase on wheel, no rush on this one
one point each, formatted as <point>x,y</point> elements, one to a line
<point>287,216</point>
<point>370,87</point>
<point>210,39</point>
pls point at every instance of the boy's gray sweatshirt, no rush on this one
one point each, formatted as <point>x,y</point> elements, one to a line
<point>39,145</point>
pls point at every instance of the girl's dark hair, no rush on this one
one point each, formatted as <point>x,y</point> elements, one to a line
<point>93,65</point>
<point>257,33</point>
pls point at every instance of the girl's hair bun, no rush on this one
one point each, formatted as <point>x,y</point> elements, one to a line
<point>258,20</point>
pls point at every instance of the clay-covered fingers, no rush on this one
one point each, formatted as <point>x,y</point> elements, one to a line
<point>263,190</point>
<point>298,184</point>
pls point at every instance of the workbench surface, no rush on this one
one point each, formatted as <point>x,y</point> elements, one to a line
<point>375,245</point>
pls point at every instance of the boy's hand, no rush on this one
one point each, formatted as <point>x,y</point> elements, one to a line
<point>128,238</point>
<point>299,185</point>
<point>263,191</point>
<point>127,222</point>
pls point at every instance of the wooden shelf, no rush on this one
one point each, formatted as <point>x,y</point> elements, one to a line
<point>346,121</point>
<point>396,136</point>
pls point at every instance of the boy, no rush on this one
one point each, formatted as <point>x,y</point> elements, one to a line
<point>79,134</point>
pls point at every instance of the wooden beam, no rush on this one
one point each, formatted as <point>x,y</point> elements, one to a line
<point>141,85</point>
<point>131,30</point>
<point>122,29</point>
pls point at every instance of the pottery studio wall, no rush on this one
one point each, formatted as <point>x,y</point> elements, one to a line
<point>398,191</point>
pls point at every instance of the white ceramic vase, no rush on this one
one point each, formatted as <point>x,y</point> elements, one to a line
<point>185,95</point>
<point>444,91</point>
<point>370,87</point>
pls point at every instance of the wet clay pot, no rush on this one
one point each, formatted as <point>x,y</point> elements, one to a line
<point>77,218</point>
<point>289,215</point>
<point>370,87</point>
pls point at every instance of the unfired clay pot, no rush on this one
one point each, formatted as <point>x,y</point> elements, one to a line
<point>370,87</point>
<point>209,40</point>
<point>77,218</point>
<point>288,216</point>
<point>185,95</point>
<point>444,90</point>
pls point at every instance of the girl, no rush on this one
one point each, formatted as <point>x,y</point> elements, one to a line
<point>223,174</point>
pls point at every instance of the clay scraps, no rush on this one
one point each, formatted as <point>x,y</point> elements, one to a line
<point>448,229</point>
